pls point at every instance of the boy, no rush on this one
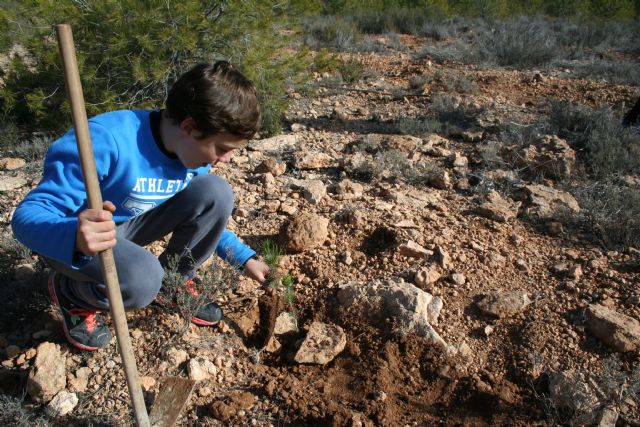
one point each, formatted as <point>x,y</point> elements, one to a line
<point>153,172</point>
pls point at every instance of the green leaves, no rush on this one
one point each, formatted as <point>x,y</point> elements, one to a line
<point>130,52</point>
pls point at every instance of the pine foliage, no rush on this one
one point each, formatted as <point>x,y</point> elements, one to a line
<point>129,53</point>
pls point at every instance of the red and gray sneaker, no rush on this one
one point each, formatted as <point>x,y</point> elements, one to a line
<point>85,329</point>
<point>208,314</point>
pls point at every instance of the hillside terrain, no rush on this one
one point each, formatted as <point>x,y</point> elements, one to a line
<point>444,268</point>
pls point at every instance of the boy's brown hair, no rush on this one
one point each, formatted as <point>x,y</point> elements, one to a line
<point>218,98</point>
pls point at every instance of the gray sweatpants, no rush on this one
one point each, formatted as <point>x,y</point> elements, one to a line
<point>197,216</point>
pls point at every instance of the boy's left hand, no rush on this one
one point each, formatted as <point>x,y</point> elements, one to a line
<point>258,271</point>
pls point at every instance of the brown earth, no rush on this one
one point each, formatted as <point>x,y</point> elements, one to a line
<point>381,378</point>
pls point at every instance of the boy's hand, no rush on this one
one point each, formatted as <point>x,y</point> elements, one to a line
<point>258,271</point>
<point>96,230</point>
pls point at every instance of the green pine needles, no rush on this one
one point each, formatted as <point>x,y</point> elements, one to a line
<point>281,283</point>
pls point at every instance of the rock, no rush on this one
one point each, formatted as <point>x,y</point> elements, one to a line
<point>608,417</point>
<point>62,404</point>
<point>312,160</point>
<point>314,191</point>
<point>411,309</point>
<point>322,344</point>
<point>618,331</point>
<point>48,375</point>
<point>427,276</point>
<point>571,390</point>
<point>305,231</point>
<point>298,127</point>
<point>11,163</point>
<point>285,323</point>
<point>222,411</point>
<point>497,208</point>
<point>443,258</point>
<point>176,357</point>
<point>242,400</point>
<point>440,180</point>
<point>503,304</point>
<point>458,161</point>
<point>78,382</point>
<point>458,278</point>
<point>12,351</point>
<point>404,143</point>
<point>413,250</point>
<point>550,156</point>
<point>545,202</point>
<point>277,143</point>
<point>348,190</point>
<point>10,183</point>
<point>271,166</point>
<point>201,369</point>
<point>147,383</point>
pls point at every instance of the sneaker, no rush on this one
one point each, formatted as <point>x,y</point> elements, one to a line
<point>85,329</point>
<point>207,315</point>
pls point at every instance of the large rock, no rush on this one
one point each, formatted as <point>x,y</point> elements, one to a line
<point>313,160</point>
<point>550,155</point>
<point>271,166</point>
<point>277,143</point>
<point>322,344</point>
<point>618,331</point>
<point>504,303</point>
<point>48,376</point>
<point>305,231</point>
<point>545,202</point>
<point>412,309</point>
<point>497,208</point>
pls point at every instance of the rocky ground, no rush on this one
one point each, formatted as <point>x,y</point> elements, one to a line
<point>423,296</point>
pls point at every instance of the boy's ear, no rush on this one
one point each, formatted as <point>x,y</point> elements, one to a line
<point>187,126</point>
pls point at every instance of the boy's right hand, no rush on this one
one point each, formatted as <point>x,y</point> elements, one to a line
<point>96,230</point>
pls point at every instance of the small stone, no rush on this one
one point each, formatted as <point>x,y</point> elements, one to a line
<point>427,276</point>
<point>222,411</point>
<point>62,404</point>
<point>503,304</point>
<point>488,330</point>
<point>322,344</point>
<point>11,183</point>
<point>11,163</point>
<point>12,351</point>
<point>413,250</point>
<point>147,383</point>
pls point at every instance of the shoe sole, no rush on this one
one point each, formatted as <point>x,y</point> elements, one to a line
<point>202,322</point>
<point>76,344</point>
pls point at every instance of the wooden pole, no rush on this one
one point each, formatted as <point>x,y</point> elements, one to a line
<point>81,126</point>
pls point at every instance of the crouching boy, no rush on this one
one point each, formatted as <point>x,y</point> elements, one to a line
<point>153,172</point>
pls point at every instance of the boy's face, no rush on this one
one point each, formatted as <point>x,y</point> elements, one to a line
<point>196,151</point>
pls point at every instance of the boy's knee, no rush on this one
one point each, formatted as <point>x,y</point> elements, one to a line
<point>211,190</point>
<point>141,282</point>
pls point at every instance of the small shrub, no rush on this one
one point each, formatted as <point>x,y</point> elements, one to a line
<point>453,113</point>
<point>521,42</point>
<point>325,61</point>
<point>612,210</point>
<point>332,32</point>
<point>33,150</point>
<point>9,133</point>
<point>351,70</point>
<point>417,83</point>
<point>15,249</point>
<point>418,126</point>
<point>213,282</point>
<point>616,72</point>
<point>456,51</point>
<point>607,148</point>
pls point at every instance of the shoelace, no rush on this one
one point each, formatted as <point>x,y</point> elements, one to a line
<point>89,317</point>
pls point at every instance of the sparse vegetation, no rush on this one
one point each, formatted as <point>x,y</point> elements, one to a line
<point>280,282</point>
<point>210,285</point>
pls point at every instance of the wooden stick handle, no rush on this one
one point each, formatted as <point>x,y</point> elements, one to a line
<point>81,126</point>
